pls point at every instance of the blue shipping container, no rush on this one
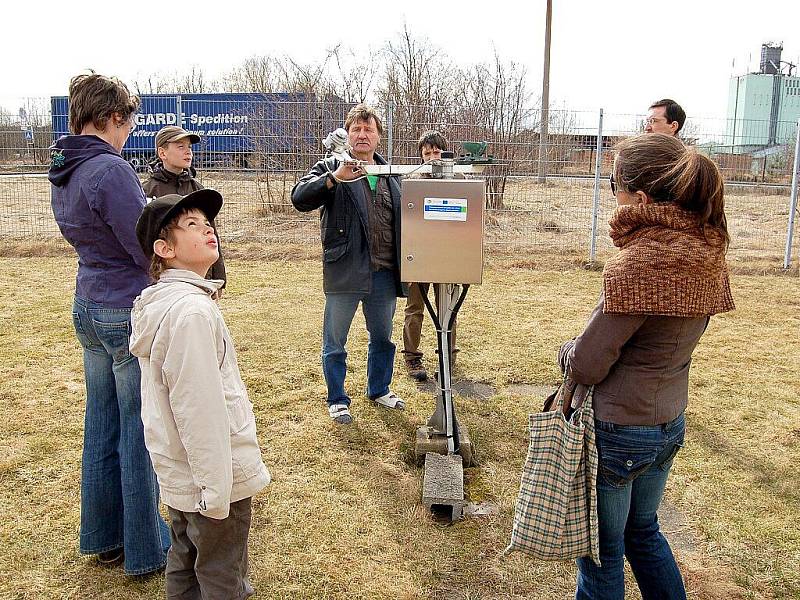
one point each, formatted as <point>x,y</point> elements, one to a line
<point>231,126</point>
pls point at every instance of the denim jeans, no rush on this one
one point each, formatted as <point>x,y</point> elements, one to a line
<point>634,463</point>
<point>119,491</point>
<point>378,307</point>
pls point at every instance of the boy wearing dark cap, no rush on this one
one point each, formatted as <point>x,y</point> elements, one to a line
<point>173,173</point>
<point>199,426</point>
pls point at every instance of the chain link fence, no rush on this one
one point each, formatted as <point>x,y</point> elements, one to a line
<point>255,147</point>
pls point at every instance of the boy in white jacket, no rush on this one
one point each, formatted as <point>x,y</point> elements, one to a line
<point>199,425</point>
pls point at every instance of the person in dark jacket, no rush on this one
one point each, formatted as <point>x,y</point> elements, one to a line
<point>658,294</point>
<point>96,199</point>
<point>173,173</point>
<point>360,230</point>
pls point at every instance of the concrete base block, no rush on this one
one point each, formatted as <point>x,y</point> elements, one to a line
<point>427,441</point>
<point>443,485</point>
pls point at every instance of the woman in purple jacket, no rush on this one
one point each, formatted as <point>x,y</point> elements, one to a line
<point>658,294</point>
<point>96,199</point>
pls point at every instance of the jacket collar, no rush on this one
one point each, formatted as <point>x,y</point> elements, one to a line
<point>358,193</point>
<point>209,286</point>
<point>162,174</point>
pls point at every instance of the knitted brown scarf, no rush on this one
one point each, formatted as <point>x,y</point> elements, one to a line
<point>665,266</point>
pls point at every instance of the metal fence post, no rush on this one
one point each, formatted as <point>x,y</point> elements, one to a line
<point>598,164</point>
<point>787,257</point>
<point>178,111</point>
<point>390,125</point>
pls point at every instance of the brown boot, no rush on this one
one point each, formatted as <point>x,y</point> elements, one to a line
<point>416,370</point>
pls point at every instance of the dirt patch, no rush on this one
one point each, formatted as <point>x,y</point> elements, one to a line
<point>676,529</point>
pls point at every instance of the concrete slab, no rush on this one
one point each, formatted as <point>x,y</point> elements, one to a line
<point>443,485</point>
<point>427,441</point>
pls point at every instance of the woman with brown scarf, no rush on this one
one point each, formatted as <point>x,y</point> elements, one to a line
<point>658,294</point>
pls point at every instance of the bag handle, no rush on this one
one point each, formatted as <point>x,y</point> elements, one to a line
<point>569,397</point>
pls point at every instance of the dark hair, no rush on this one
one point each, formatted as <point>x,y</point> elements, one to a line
<point>432,138</point>
<point>93,98</point>
<point>157,264</point>
<point>363,112</point>
<point>672,111</point>
<point>663,168</point>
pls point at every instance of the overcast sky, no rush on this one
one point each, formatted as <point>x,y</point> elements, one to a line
<point>619,55</point>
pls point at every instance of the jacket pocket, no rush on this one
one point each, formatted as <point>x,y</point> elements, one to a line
<point>239,413</point>
<point>333,253</point>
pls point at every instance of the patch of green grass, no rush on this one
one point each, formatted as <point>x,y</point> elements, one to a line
<point>343,518</point>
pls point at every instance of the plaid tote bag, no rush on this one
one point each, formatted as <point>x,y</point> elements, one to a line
<point>556,511</point>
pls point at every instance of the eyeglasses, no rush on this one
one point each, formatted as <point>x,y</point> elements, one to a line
<point>651,120</point>
<point>613,183</point>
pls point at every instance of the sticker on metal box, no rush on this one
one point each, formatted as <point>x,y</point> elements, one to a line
<point>445,209</point>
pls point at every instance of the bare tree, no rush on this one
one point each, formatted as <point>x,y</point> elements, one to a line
<point>421,84</point>
<point>354,77</point>
<point>497,101</point>
<point>189,82</point>
<point>256,74</point>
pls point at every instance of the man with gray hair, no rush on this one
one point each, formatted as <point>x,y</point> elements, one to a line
<point>360,230</point>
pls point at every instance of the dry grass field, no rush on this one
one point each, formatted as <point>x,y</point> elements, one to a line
<point>552,219</point>
<point>343,517</point>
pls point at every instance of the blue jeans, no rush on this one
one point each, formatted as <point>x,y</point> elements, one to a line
<point>119,491</point>
<point>634,463</point>
<point>378,307</point>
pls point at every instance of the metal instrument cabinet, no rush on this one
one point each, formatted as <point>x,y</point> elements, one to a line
<point>442,230</point>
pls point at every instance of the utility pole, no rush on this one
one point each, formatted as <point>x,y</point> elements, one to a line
<point>545,97</point>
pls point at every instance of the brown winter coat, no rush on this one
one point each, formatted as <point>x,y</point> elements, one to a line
<point>659,293</point>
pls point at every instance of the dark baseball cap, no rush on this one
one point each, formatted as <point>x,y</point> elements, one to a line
<point>173,133</point>
<point>160,211</point>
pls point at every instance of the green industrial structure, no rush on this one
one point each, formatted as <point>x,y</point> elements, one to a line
<point>763,107</point>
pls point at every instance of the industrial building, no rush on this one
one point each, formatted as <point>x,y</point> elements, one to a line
<point>763,107</point>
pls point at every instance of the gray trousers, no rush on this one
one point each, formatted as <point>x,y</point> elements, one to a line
<point>208,558</point>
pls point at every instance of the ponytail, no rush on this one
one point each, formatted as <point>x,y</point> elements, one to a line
<point>667,171</point>
<point>696,185</point>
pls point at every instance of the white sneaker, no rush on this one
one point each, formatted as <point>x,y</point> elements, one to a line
<point>340,413</point>
<point>390,400</point>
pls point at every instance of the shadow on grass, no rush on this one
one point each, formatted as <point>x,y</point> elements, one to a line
<point>763,472</point>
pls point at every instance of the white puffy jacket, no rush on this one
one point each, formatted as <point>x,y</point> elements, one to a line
<point>198,420</point>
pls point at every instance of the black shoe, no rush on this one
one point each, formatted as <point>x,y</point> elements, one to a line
<point>111,557</point>
<point>416,370</point>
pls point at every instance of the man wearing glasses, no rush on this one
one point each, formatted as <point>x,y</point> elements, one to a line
<point>665,116</point>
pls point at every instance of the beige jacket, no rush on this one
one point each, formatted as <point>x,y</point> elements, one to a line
<point>198,420</point>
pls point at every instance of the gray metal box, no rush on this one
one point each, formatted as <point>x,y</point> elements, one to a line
<point>442,230</point>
